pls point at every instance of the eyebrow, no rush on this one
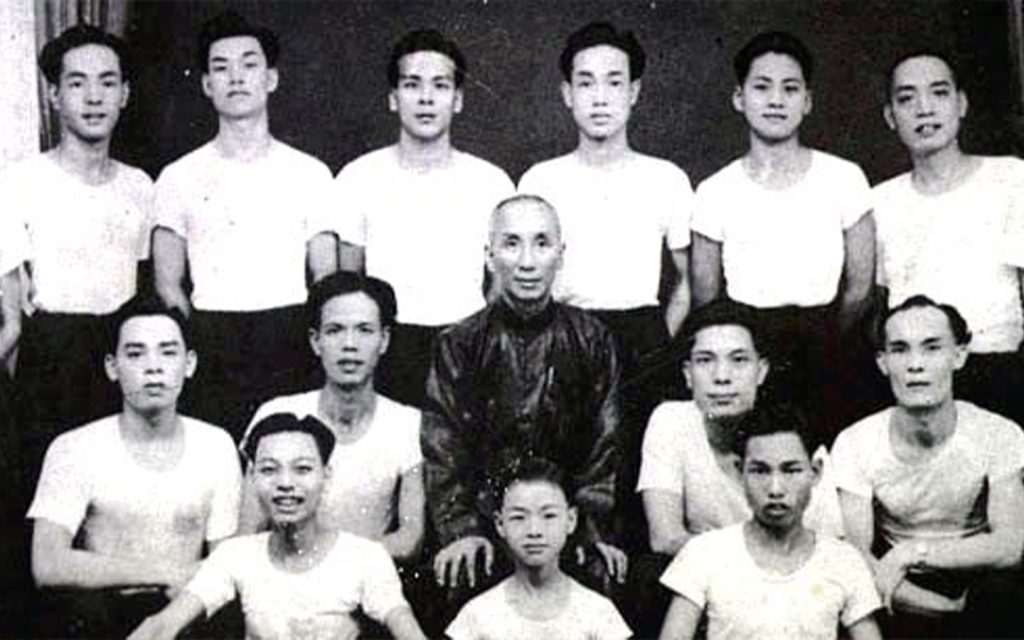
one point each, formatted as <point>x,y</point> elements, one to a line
<point>169,343</point>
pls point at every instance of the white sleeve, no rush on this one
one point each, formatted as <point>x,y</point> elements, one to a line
<point>850,463</point>
<point>14,243</point>
<point>146,202</point>
<point>1006,450</point>
<point>823,513</point>
<point>678,213</point>
<point>856,199</point>
<point>349,212</point>
<point>316,201</point>
<point>227,489</point>
<point>661,466</point>
<point>63,493</point>
<point>381,587</point>
<point>689,573</point>
<point>410,455</point>
<point>1013,230</point>
<point>465,625</point>
<point>862,595</point>
<point>214,582</point>
<point>169,208</point>
<point>708,216</point>
<point>606,622</point>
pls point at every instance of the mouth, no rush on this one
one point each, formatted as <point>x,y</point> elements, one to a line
<point>918,385</point>
<point>927,130</point>
<point>287,504</point>
<point>722,399</point>
<point>349,365</point>
<point>600,118</point>
<point>528,283</point>
<point>154,388</point>
<point>776,510</point>
<point>425,118</point>
<point>778,117</point>
<point>237,94</point>
<point>535,549</point>
<point>94,118</point>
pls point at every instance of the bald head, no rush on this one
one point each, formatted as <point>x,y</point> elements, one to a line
<point>525,249</point>
<point>523,202</point>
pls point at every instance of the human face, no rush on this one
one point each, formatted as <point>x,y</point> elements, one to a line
<point>289,476</point>
<point>350,340</point>
<point>600,92</point>
<point>920,357</point>
<point>525,252</point>
<point>426,98</point>
<point>925,107</point>
<point>151,363</point>
<point>724,370</point>
<point>778,476</point>
<point>90,93</point>
<point>535,520</point>
<point>774,97</point>
<point>237,79</point>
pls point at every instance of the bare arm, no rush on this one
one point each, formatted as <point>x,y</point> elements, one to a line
<point>865,629</point>
<point>679,300</point>
<point>705,269</point>
<point>403,625</point>
<point>404,542</point>
<point>56,564</point>
<point>169,257</point>
<point>171,620</point>
<point>664,511</point>
<point>681,620</point>
<point>858,270</point>
<point>10,314</point>
<point>351,257</point>
<point>322,255</point>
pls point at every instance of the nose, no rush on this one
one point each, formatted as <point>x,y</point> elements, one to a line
<point>775,96</point>
<point>722,372</point>
<point>775,486</point>
<point>426,94</point>
<point>284,480</point>
<point>93,93</point>
<point>915,361</point>
<point>348,340</point>
<point>924,104</point>
<point>527,259</point>
<point>533,528</point>
<point>153,363</point>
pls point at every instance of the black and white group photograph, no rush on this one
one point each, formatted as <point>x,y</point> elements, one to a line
<point>512,319</point>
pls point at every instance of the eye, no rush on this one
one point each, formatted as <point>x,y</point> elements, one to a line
<point>218,68</point>
<point>266,470</point>
<point>741,358</point>
<point>942,92</point>
<point>170,352</point>
<point>701,359</point>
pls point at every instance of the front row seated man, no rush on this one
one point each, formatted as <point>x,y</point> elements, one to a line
<point>771,577</point>
<point>535,519</point>
<point>525,375</point>
<point>939,478</point>
<point>125,504</point>
<point>376,487</point>
<point>300,579</point>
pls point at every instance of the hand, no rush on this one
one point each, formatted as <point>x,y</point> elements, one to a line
<point>615,560</point>
<point>890,571</point>
<point>449,560</point>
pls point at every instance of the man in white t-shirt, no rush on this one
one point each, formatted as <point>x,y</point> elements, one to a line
<point>952,228</point>
<point>771,577</point>
<point>376,487</point>
<point>940,479</point>
<point>126,504</point>
<point>415,213</point>
<point>83,220</point>
<point>243,216</point>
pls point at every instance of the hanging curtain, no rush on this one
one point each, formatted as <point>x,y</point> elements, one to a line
<point>54,16</point>
<point>19,110</point>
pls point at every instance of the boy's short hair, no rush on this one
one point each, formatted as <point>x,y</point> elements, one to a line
<point>142,305</point>
<point>768,418</point>
<point>599,33</point>
<point>947,57</point>
<point>957,323</point>
<point>530,468</point>
<point>345,282</point>
<point>425,40</point>
<point>51,58</point>
<point>285,423</point>
<point>773,42</point>
<point>718,313</point>
<point>231,24</point>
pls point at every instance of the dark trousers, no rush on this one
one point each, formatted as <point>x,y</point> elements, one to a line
<point>245,359</point>
<point>15,580</point>
<point>402,373</point>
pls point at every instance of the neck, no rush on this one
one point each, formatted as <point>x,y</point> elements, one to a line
<point>939,168</point>
<point>535,579</point>
<point>777,540</point>
<point>925,427</point>
<point>159,425</point>
<point>527,309</point>
<point>244,138</point>
<point>344,405</point>
<point>597,153</point>
<point>297,539</point>
<point>775,155</point>
<point>90,161</point>
<point>424,155</point>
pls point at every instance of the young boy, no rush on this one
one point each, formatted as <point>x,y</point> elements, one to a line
<point>771,577</point>
<point>538,600</point>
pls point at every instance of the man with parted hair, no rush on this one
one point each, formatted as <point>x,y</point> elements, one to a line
<point>415,213</point>
<point>243,217</point>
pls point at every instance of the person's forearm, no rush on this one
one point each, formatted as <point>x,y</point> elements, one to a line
<point>173,295</point>
<point>404,542</point>
<point>911,598</point>
<point>669,543</point>
<point>982,551</point>
<point>171,621</point>
<point>88,570</point>
<point>677,308</point>
<point>403,625</point>
<point>852,307</point>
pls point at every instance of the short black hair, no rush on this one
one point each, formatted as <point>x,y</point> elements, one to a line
<point>773,42</point>
<point>957,323</point>
<point>285,423</point>
<point>768,418</point>
<point>530,467</point>
<point>718,313</point>
<point>344,282</point>
<point>51,58</point>
<point>425,40</point>
<point>231,24</point>
<point>947,57</point>
<point>143,305</point>
<point>599,33</point>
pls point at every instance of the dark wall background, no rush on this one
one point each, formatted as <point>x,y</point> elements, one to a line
<point>332,98</point>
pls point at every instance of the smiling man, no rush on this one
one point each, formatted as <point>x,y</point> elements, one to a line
<point>243,216</point>
<point>952,228</point>
<point>939,478</point>
<point>125,504</point>
<point>415,213</point>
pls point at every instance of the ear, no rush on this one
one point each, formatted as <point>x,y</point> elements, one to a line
<point>191,362</point>
<point>567,94</point>
<point>634,91</point>
<point>328,471</point>
<point>572,519</point>
<point>489,259</point>
<point>817,466</point>
<point>962,104</point>
<point>314,341</point>
<point>385,340</point>
<point>561,256</point>
<point>499,525</point>
<point>808,102</point>
<point>124,96</point>
<point>762,370</point>
<point>890,120</point>
<point>688,374</point>
<point>110,366</point>
<point>272,79</point>
<point>883,365</point>
<point>53,93</point>
<point>737,99</point>
<point>961,357</point>
<point>205,82</point>
<point>457,104</point>
<point>392,101</point>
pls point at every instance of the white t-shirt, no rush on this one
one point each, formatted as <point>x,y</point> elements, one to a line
<point>678,458</point>
<point>783,246</point>
<point>83,241</point>
<point>614,220</point>
<point>365,474</point>
<point>490,616</point>
<point>743,601</point>
<point>90,481</point>
<point>246,223</point>
<point>936,498</point>
<point>963,247</point>
<point>424,232</point>
<point>14,245</point>
<point>311,604</point>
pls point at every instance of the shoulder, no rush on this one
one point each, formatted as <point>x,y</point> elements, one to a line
<point>396,413</point>
<point>192,162</point>
<point>674,415</point>
<point>468,329</point>
<point>97,433</point>
<point>723,180</point>
<point>552,166</point>
<point>133,177</point>
<point>587,326</point>
<point>1003,169</point>
<point>27,168</point>
<point>206,433</point>
<point>982,423</point>
<point>469,162</point>
<point>372,161</point>
<point>298,159</point>
<point>300,404</point>
<point>357,551</point>
<point>861,433</point>
<point>659,168</point>
<point>892,187</point>
<point>242,546</point>
<point>824,161</point>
